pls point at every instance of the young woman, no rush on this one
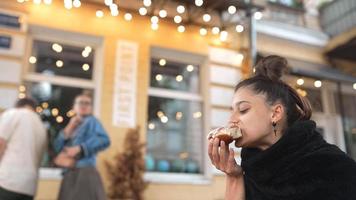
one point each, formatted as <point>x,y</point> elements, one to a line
<point>283,156</point>
<point>77,145</point>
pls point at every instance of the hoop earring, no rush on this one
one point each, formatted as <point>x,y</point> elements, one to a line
<point>274,124</point>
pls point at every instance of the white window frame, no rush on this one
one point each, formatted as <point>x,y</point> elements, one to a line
<point>73,39</point>
<point>201,61</point>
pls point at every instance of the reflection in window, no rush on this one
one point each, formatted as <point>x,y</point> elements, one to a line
<point>347,104</point>
<point>174,136</point>
<point>55,109</point>
<point>53,58</point>
<point>176,76</point>
<point>175,125</point>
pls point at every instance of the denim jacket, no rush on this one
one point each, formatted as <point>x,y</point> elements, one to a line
<point>92,138</point>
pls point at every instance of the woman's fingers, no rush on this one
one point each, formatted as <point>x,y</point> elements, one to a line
<point>210,151</point>
<point>215,152</point>
<point>224,154</point>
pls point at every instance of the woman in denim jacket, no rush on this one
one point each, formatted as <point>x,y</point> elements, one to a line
<point>77,146</point>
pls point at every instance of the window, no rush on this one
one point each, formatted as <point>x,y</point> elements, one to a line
<point>345,105</point>
<point>60,66</point>
<point>315,99</point>
<point>175,133</point>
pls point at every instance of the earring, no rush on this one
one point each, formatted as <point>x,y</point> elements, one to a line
<point>274,124</point>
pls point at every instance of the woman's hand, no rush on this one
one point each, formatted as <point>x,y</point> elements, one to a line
<point>72,151</point>
<point>63,160</point>
<point>223,158</point>
<point>72,125</point>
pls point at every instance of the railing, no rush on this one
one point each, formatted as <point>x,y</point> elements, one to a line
<point>338,16</point>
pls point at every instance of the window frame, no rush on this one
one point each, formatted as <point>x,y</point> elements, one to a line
<point>202,97</point>
<point>73,39</point>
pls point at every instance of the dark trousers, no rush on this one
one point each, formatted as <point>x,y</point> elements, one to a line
<point>8,195</point>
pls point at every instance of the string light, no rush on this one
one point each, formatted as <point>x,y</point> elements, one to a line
<point>147,3</point>
<point>203,31</point>
<point>197,115</point>
<point>179,115</point>
<point>199,3</point>
<point>181,28</point>
<point>239,28</point>
<point>108,2</point>
<point>99,13</point>
<point>162,13</point>
<point>32,59</point>
<point>59,63</point>
<point>258,15</point>
<point>179,78</point>
<point>177,19</point>
<point>151,126</point>
<point>57,48</point>
<point>180,9</point>
<point>54,112</point>
<point>164,119</point>
<point>44,105</point>
<point>232,10</point>
<point>154,19</point>
<point>224,35</point>
<point>300,81</point>
<point>215,30</point>
<point>114,10</point>
<point>142,11</point>
<point>317,83</point>
<point>68,4</point>
<point>206,17</point>
<point>190,68</point>
<point>86,67</point>
<point>20,1</point>
<point>162,62</point>
<point>159,77</point>
<point>128,17</point>
<point>77,3</point>
<point>88,49</point>
<point>59,119</point>
<point>160,114</point>
<point>39,109</point>
<point>22,88</point>
<point>354,86</point>
<point>37,2</point>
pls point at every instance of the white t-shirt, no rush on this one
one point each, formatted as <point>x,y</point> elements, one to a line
<point>26,140</point>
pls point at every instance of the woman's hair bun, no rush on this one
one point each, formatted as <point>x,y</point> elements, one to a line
<point>272,67</point>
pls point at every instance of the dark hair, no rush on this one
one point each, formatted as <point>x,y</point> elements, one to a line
<point>267,81</point>
<point>26,102</point>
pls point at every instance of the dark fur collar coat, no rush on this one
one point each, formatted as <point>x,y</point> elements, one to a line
<point>300,166</point>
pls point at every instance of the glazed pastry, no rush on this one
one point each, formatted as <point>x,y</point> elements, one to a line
<point>227,135</point>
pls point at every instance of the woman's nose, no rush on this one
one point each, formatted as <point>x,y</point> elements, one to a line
<point>234,120</point>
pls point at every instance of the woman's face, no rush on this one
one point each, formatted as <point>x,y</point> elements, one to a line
<point>83,105</point>
<point>254,116</point>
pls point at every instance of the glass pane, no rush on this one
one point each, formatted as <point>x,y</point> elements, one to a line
<point>349,112</point>
<point>176,76</point>
<point>55,104</point>
<point>314,96</point>
<point>52,58</point>
<point>174,136</point>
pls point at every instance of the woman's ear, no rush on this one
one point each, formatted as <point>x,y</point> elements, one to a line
<point>277,112</point>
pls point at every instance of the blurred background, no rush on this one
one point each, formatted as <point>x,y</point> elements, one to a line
<point>170,67</point>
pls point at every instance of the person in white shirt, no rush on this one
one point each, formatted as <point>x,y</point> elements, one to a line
<point>23,141</point>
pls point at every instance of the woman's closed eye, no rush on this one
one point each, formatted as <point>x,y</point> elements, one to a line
<point>243,111</point>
